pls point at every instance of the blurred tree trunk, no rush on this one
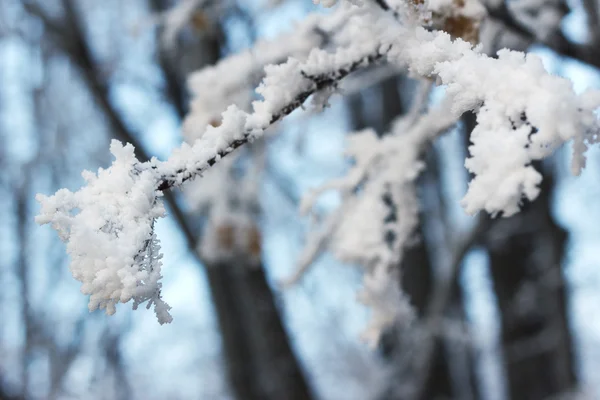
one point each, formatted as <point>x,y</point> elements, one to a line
<point>452,371</point>
<point>259,356</point>
<point>23,271</point>
<point>6,396</point>
<point>417,282</point>
<point>451,374</point>
<point>526,253</point>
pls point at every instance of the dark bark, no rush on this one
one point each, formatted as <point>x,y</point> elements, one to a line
<point>259,355</point>
<point>450,371</point>
<point>23,270</point>
<point>526,254</point>
<point>417,282</point>
<point>5,395</point>
<point>443,381</point>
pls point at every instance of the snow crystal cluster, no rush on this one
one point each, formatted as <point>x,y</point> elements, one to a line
<point>108,226</point>
<point>523,115</point>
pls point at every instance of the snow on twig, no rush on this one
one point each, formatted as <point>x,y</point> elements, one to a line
<point>523,114</point>
<point>108,224</point>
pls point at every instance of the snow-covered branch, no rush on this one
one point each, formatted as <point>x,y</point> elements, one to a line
<point>379,210</point>
<point>228,82</point>
<point>514,98</point>
<point>285,88</point>
<point>523,115</point>
<point>108,224</point>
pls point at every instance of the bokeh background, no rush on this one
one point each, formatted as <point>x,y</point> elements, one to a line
<point>524,320</point>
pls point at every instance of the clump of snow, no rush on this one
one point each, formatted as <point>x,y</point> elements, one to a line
<point>379,211</point>
<point>108,227</point>
<point>523,115</point>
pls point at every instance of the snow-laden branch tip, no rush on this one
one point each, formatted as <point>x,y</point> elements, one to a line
<point>523,113</point>
<point>108,224</point>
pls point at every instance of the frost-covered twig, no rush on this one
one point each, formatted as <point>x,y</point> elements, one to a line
<point>214,88</point>
<point>523,115</point>
<point>108,224</point>
<point>380,210</point>
<point>239,127</point>
<point>515,100</point>
<point>364,154</point>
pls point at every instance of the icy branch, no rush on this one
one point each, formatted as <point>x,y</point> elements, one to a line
<point>379,211</point>
<point>228,82</point>
<point>523,115</point>
<point>284,89</point>
<point>108,224</point>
